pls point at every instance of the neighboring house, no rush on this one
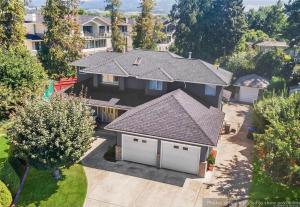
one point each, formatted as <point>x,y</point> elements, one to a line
<point>250,88</point>
<point>169,107</point>
<point>95,30</point>
<point>174,131</point>
<point>169,30</point>
<point>266,46</point>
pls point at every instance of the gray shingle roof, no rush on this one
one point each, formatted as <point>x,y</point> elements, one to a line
<point>176,116</point>
<point>159,65</point>
<point>272,44</point>
<point>252,80</point>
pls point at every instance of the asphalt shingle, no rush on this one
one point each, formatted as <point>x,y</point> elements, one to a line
<point>176,116</point>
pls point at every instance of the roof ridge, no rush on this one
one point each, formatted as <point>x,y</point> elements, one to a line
<point>192,117</point>
<point>203,63</point>
<point>121,68</point>
<point>167,74</point>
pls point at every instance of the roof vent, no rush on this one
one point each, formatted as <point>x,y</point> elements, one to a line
<point>137,61</point>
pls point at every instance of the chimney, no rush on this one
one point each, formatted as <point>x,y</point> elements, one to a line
<point>190,55</point>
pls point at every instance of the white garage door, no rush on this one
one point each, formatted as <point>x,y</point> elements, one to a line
<point>139,149</point>
<point>179,157</point>
<point>248,95</point>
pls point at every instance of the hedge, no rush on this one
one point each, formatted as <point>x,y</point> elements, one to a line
<point>5,195</point>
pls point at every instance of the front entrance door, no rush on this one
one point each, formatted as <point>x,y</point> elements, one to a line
<point>107,114</point>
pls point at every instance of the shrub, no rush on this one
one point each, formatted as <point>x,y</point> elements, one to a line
<point>211,159</point>
<point>5,195</point>
<point>277,119</point>
<point>9,176</point>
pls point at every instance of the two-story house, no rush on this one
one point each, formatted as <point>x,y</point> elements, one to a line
<point>165,109</point>
<point>95,30</point>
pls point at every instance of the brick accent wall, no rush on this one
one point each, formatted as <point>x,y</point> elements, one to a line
<point>118,150</point>
<point>202,169</point>
<point>158,160</point>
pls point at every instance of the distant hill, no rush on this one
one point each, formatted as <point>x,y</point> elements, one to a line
<point>162,6</point>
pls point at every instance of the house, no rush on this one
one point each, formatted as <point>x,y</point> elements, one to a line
<point>295,89</point>
<point>164,101</point>
<point>266,46</point>
<point>95,30</point>
<point>169,29</point>
<point>249,87</point>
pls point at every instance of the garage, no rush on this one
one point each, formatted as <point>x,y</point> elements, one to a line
<point>180,157</point>
<point>249,88</point>
<point>139,149</point>
<point>248,95</point>
<point>175,128</point>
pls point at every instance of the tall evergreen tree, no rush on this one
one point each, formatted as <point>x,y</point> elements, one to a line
<point>144,28</point>
<point>187,13</point>
<point>62,42</point>
<point>222,29</point>
<point>12,31</point>
<point>118,40</point>
<point>293,29</point>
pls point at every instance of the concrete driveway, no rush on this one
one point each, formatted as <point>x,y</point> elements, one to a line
<point>129,184</point>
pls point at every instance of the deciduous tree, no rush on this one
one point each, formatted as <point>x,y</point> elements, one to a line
<point>118,39</point>
<point>12,31</point>
<point>53,134</point>
<point>293,29</point>
<point>62,41</point>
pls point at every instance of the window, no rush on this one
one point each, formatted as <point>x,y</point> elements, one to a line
<point>88,30</point>
<point>144,141</point>
<point>176,147</point>
<point>100,43</point>
<point>110,79</point>
<point>135,140</point>
<point>101,29</point>
<point>107,28</point>
<point>123,28</point>
<point>210,90</point>
<point>185,148</point>
<point>155,85</point>
<point>89,44</point>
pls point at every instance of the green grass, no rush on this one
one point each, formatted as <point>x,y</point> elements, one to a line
<point>42,190</point>
<point>264,189</point>
<point>7,173</point>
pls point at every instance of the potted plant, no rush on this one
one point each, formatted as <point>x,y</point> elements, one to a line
<point>211,162</point>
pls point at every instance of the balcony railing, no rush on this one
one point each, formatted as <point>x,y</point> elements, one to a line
<point>88,35</point>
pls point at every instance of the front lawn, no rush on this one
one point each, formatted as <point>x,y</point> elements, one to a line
<point>7,173</point>
<point>42,190</point>
<point>264,189</point>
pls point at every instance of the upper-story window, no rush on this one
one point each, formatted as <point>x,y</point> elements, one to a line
<point>88,29</point>
<point>110,79</point>
<point>101,29</point>
<point>155,85</point>
<point>210,90</point>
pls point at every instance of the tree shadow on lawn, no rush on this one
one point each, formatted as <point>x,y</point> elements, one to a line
<point>39,186</point>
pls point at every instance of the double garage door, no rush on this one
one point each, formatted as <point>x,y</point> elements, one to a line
<point>174,156</point>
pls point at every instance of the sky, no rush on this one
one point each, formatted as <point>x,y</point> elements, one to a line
<point>162,5</point>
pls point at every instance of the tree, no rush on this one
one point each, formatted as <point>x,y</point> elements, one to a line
<point>224,25</point>
<point>274,63</point>
<point>187,13</point>
<point>50,135</point>
<point>293,29</point>
<point>12,31</point>
<point>209,29</point>
<point>21,78</point>
<point>144,28</point>
<point>239,63</point>
<point>251,36</point>
<point>62,41</point>
<point>277,141</point>
<point>117,39</point>
<point>271,20</point>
